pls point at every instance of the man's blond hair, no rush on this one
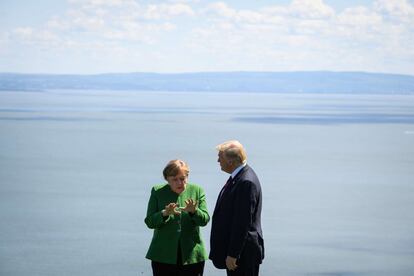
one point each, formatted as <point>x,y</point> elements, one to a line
<point>233,150</point>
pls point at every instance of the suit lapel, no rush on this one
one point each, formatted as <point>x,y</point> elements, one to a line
<point>221,198</point>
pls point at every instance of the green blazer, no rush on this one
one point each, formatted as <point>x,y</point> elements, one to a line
<point>181,229</point>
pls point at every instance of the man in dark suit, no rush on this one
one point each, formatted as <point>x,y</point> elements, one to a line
<point>236,241</point>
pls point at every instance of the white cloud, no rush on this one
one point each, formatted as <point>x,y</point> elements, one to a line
<point>30,35</point>
<point>397,8</point>
<point>310,9</point>
<point>355,26</point>
<point>310,34</point>
<point>109,3</point>
<point>166,11</point>
<point>128,22</point>
<point>25,33</point>
<point>219,36</point>
<point>221,9</point>
<point>88,23</point>
<point>183,1</point>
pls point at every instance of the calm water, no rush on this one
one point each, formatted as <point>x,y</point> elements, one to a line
<point>76,169</point>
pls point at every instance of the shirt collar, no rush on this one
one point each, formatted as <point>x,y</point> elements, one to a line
<point>236,171</point>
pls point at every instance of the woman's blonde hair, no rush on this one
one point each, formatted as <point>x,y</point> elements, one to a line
<point>233,150</point>
<point>174,167</point>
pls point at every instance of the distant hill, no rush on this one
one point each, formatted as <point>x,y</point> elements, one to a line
<point>272,82</point>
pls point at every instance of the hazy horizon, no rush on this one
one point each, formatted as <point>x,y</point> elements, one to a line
<point>269,82</point>
<point>204,72</point>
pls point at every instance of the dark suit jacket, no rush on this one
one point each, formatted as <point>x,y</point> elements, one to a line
<point>236,229</point>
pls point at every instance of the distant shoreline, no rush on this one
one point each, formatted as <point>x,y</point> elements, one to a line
<point>320,82</point>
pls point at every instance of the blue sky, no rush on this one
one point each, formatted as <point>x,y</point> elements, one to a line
<point>99,36</point>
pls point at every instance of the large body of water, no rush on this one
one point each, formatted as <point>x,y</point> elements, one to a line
<point>76,169</point>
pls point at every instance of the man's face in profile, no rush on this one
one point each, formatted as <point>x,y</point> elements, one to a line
<point>225,164</point>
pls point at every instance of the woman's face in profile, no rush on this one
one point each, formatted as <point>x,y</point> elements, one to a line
<point>178,182</point>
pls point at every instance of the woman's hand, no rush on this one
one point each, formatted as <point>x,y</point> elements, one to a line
<point>170,209</point>
<point>190,206</point>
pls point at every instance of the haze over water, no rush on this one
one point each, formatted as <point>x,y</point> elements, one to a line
<point>76,169</point>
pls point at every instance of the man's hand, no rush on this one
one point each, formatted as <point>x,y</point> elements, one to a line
<point>231,263</point>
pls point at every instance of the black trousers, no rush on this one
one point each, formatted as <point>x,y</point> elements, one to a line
<point>162,269</point>
<point>244,271</point>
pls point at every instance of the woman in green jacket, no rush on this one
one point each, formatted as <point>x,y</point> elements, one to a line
<point>176,210</point>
